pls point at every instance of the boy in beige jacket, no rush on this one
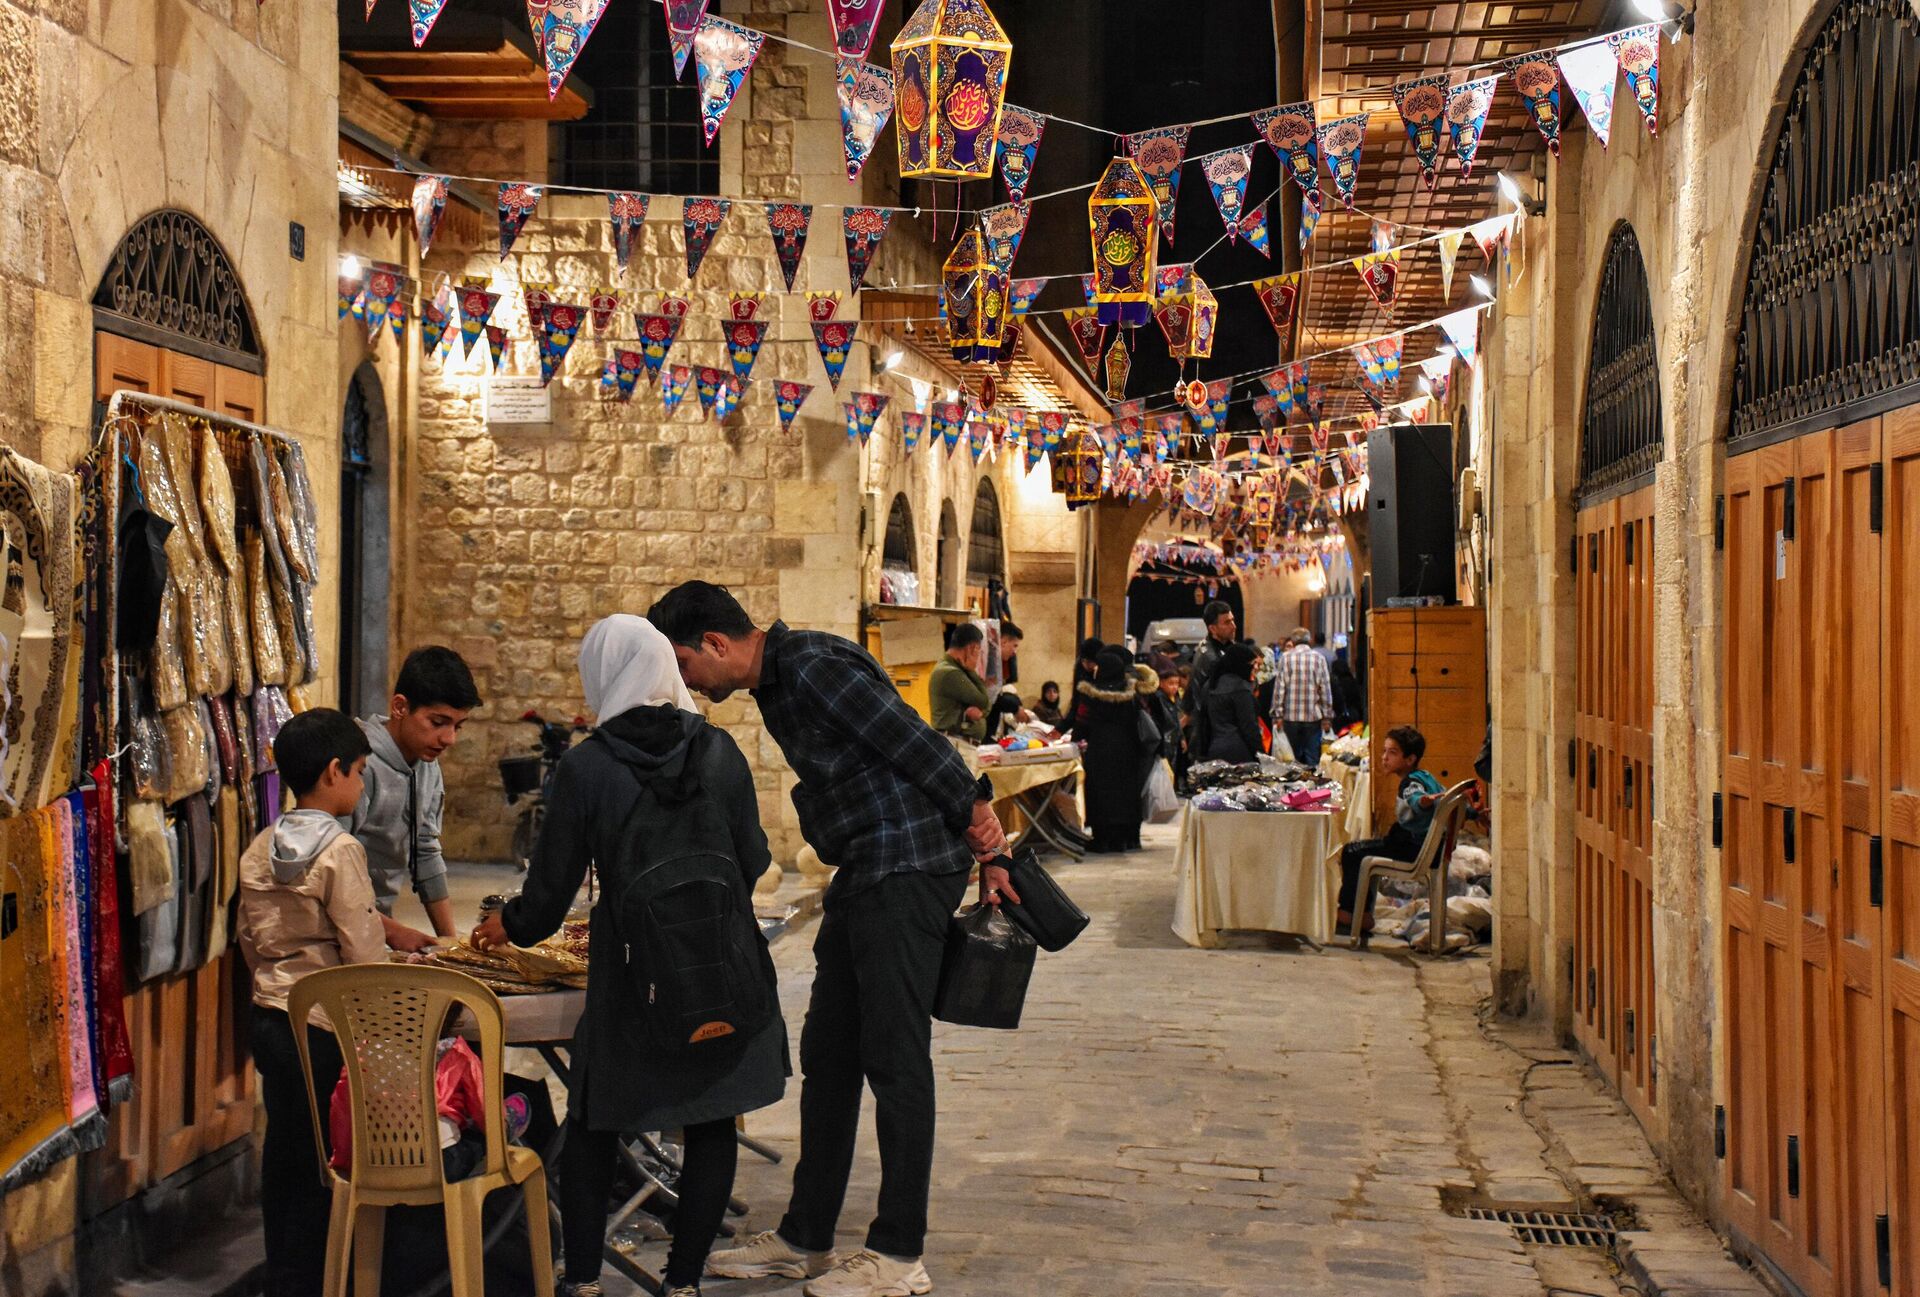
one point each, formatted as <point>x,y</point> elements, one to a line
<point>306,904</point>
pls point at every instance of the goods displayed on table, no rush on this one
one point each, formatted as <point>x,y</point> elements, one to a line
<point>1033,741</point>
<point>160,609</point>
<point>558,963</point>
<point>1261,786</point>
<point>1349,748</point>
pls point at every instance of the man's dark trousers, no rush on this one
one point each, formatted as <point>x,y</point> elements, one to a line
<point>1304,738</point>
<point>876,967</point>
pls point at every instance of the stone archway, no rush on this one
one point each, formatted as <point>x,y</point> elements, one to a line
<point>949,558</point>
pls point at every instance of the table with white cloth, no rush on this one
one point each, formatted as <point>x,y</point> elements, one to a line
<point>1356,790</point>
<point>1267,871</point>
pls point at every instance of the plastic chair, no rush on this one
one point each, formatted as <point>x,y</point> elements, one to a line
<point>388,1018</point>
<point>1429,866</point>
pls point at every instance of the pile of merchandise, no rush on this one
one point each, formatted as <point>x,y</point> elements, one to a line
<point>1401,909</point>
<point>1349,748</point>
<point>1261,786</point>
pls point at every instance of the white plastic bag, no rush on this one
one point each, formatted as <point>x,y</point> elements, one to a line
<point>1158,804</point>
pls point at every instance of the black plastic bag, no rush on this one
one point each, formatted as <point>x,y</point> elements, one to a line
<point>984,973</point>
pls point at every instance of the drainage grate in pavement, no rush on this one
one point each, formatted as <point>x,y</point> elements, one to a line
<point>1552,1228</point>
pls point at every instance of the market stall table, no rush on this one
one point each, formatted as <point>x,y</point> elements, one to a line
<point>1275,871</point>
<point>1356,791</point>
<point>1029,791</point>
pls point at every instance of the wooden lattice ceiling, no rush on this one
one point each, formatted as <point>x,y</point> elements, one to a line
<point>1362,49</point>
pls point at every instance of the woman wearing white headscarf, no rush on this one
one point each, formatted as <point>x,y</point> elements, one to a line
<point>647,733</point>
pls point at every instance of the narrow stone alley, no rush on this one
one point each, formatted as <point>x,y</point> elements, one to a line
<point>1265,1118</point>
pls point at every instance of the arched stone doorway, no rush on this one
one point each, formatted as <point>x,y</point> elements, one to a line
<point>899,567</point>
<point>947,558</point>
<point>986,550</point>
<point>366,558</point>
<point>1818,813</point>
<point>1621,441</point>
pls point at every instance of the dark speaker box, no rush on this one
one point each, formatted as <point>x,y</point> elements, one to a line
<point>1410,510</point>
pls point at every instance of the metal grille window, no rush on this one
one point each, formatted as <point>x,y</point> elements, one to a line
<point>897,551</point>
<point>643,131</point>
<point>170,284</point>
<point>1831,321</point>
<point>1620,437</point>
<point>986,559</point>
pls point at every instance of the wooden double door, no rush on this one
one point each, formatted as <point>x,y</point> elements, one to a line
<point>1819,827</point>
<point>1612,769</point>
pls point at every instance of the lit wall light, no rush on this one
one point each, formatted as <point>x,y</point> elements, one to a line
<point>350,266</point>
<point>1510,190</point>
<point>1657,11</point>
<point>887,362</point>
<point>1481,286</point>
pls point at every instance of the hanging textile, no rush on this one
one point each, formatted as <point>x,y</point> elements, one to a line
<point>556,338</point>
<point>1278,296</point>
<point>913,427</point>
<point>834,340</point>
<point>1341,141</point>
<point>1449,252</point>
<point>683,24</point>
<point>1253,228</point>
<point>1463,331</point>
<point>1159,154</point>
<point>743,345</point>
<point>34,1109</point>
<point>679,378</point>
<point>1380,271</point>
<point>1638,51</point>
<point>564,33</point>
<point>1226,173</point>
<point>429,206</point>
<point>1291,133</point>
<point>1591,71</point>
<point>516,204</point>
<point>601,304</point>
<point>788,397</point>
<point>496,345</point>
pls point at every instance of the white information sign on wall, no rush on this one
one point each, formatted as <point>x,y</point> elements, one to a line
<point>518,399</point>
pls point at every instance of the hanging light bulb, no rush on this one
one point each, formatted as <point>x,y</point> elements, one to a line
<point>1511,191</point>
<point>350,265</point>
<point>888,361</point>
<point>1481,286</point>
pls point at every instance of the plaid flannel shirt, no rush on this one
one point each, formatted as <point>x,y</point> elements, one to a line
<point>880,791</point>
<point>1304,688</point>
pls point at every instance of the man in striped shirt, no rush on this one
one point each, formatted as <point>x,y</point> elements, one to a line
<point>1303,697</point>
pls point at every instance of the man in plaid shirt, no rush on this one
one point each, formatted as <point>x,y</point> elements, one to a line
<point>1303,697</point>
<point>892,804</point>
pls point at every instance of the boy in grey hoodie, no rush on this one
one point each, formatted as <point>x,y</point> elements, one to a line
<point>398,818</point>
<point>305,904</point>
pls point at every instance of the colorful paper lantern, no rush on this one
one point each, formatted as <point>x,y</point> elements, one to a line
<point>1122,215</point>
<point>1187,316</point>
<point>950,82</point>
<point>975,289</point>
<point>1076,468</point>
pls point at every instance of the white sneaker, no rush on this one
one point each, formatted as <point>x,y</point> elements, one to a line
<point>870,1274</point>
<point>767,1254</point>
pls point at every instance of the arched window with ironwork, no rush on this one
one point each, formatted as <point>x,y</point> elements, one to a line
<point>1620,432</point>
<point>1830,320</point>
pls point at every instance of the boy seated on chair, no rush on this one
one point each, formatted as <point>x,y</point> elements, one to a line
<point>306,903</point>
<point>1400,756</point>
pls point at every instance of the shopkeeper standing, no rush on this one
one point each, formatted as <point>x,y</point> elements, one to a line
<point>398,819</point>
<point>956,692</point>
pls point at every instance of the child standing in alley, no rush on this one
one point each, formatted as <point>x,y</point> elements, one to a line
<point>306,903</point>
<point>1400,756</point>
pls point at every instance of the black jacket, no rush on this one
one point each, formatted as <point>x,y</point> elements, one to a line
<point>1166,716</point>
<point>618,1082</point>
<point>1232,725</point>
<point>1108,720</point>
<point>1206,664</point>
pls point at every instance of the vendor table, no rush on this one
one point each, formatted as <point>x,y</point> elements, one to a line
<point>1356,789</point>
<point>1273,871</point>
<point>1030,788</point>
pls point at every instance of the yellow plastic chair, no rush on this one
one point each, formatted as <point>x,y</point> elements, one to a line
<point>387,1018</point>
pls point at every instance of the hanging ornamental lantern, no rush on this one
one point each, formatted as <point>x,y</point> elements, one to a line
<point>1122,215</point>
<point>975,290</point>
<point>1187,316</point>
<point>950,76</point>
<point>1076,468</point>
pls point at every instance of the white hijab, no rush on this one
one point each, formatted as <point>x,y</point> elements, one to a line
<point>625,662</point>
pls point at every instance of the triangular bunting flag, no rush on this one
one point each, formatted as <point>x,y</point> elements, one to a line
<point>1491,233</point>
<point>627,212</point>
<point>1088,334</point>
<point>834,338</point>
<point>627,371</point>
<point>1017,147</point>
<point>351,286</point>
<point>1380,360</point>
<point>788,397</point>
<point>433,326</point>
<point>854,25</point>
<point>1590,71</point>
<point>852,412</point>
<point>1226,173</point>
<point>603,302</point>
<point>1309,219</point>
<point>864,227</point>
<point>610,376</point>
<point>1159,154</point>
<point>556,335</point>
<point>564,33</point>
<point>1382,236</point>
<point>1340,142</point>
<point>679,378</point>
<point>1089,288</point>
<point>496,345</point>
<point>1467,105</point>
<point>950,417</point>
<point>1020,300</point>
<point>743,345</point>
<point>913,428</point>
<point>429,205</point>
<point>1003,227</point>
<point>683,24</point>
<point>1290,132</point>
<point>1538,82</point>
<point>700,220</point>
<point>422,16</point>
<point>1253,228</point>
<point>1278,295</point>
<point>727,399</point>
<point>383,287</point>
<point>788,223</point>
<point>1463,331</point>
<point>866,102</point>
<point>657,334</point>
<point>536,24</point>
<point>706,384</point>
<point>1423,103</point>
<point>1381,273</point>
<point>1053,425</point>
<point>1034,443</point>
<point>1638,50</point>
<point>723,54</point>
<point>1449,252</point>
<point>744,306</point>
<point>867,407</point>
<point>517,202</point>
<point>397,317</point>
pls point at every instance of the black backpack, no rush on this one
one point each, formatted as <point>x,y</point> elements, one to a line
<point>684,918</point>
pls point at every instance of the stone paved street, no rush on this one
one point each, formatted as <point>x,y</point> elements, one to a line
<point>1258,1119</point>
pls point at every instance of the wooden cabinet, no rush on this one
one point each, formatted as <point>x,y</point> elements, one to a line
<point>1427,667</point>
